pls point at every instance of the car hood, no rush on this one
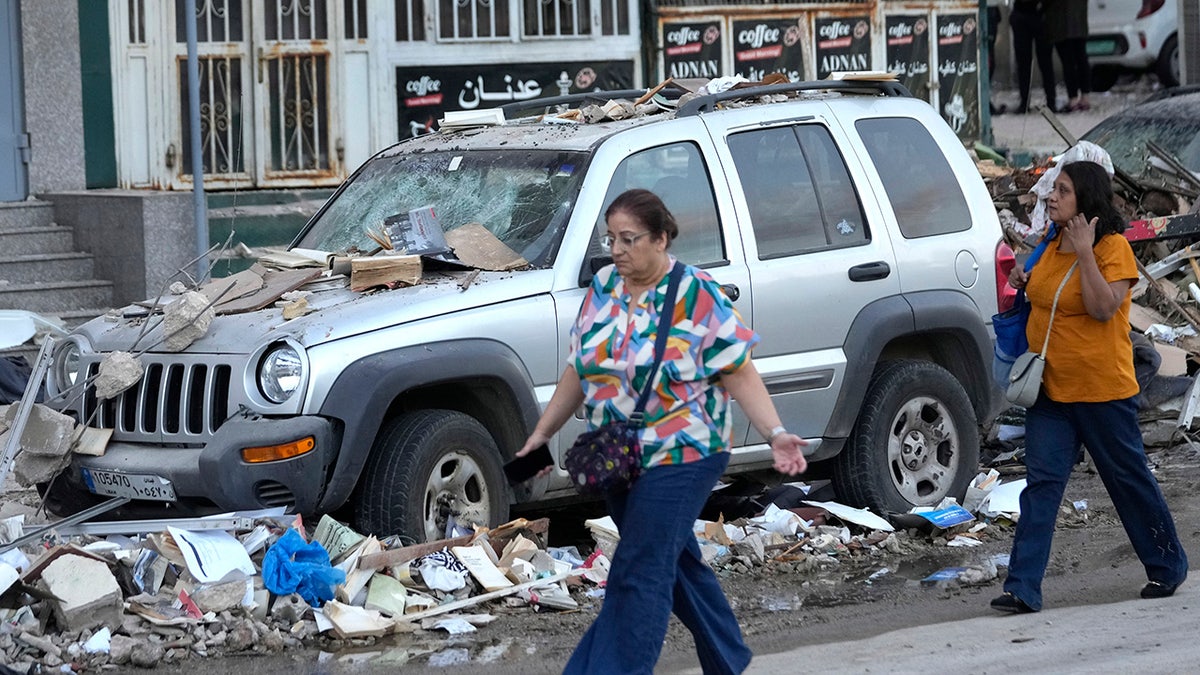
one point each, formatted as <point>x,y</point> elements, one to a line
<point>336,314</point>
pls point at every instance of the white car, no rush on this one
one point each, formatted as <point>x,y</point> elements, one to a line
<point>1132,35</point>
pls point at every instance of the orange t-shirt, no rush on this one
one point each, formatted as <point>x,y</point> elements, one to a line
<point>1087,360</point>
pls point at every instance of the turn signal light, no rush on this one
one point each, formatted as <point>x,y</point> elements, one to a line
<point>274,453</point>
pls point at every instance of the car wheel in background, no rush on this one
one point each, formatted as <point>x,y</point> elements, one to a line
<point>426,466</point>
<point>1167,66</point>
<point>916,440</point>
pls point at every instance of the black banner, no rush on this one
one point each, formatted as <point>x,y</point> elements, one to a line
<point>424,94</point>
<point>908,52</point>
<point>843,43</point>
<point>765,46</point>
<point>692,49</point>
<point>958,72</point>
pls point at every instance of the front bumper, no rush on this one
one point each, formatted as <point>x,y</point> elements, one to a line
<point>214,478</point>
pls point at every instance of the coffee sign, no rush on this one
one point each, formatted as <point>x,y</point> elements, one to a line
<point>958,72</point>
<point>692,49</point>
<point>843,43</point>
<point>765,46</point>
<point>908,52</point>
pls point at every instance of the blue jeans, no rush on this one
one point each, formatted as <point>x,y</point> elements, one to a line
<point>658,569</point>
<point>1110,431</point>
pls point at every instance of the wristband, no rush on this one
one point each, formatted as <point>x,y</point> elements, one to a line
<point>775,433</point>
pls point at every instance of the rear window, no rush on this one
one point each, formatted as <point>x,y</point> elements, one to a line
<point>922,189</point>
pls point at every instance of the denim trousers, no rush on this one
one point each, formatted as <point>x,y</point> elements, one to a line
<point>657,569</point>
<point>1109,430</point>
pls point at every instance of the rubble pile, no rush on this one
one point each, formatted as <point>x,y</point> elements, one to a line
<point>264,585</point>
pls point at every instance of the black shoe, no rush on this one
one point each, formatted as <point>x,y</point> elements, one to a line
<point>1011,603</point>
<point>1022,109</point>
<point>1157,589</point>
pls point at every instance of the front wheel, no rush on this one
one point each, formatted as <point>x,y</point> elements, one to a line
<point>1167,66</point>
<point>426,467</point>
<point>916,440</point>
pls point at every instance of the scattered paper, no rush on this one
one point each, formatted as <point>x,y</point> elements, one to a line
<point>1005,498</point>
<point>858,516</point>
<point>212,555</point>
<point>946,518</point>
<point>335,537</point>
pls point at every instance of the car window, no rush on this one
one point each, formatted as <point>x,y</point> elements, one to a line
<point>798,190</point>
<point>920,185</point>
<point>678,175</point>
<point>1126,138</point>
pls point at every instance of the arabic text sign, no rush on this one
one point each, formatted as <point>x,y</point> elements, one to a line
<point>958,72</point>
<point>692,49</point>
<point>843,43</point>
<point>765,46</point>
<point>908,51</point>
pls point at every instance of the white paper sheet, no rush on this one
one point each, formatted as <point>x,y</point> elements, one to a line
<point>212,554</point>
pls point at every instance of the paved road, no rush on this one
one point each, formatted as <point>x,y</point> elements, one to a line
<point>1122,637</point>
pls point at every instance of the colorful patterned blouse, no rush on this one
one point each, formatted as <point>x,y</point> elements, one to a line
<point>689,417</point>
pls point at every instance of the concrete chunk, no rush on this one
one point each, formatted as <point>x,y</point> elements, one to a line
<point>88,594</point>
<point>186,320</point>
<point>118,372</point>
<point>47,432</point>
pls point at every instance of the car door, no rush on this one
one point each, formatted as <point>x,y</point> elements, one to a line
<point>815,255</point>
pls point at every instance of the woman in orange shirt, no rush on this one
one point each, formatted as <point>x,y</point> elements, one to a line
<point>1088,391</point>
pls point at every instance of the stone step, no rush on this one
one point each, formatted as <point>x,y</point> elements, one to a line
<point>39,267</point>
<point>42,239</point>
<point>56,297</point>
<point>26,214</point>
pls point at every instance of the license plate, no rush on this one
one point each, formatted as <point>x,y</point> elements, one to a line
<point>1101,47</point>
<point>132,485</point>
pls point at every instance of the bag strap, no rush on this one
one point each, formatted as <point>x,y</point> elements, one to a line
<point>660,341</point>
<point>1051,233</point>
<point>1054,307</point>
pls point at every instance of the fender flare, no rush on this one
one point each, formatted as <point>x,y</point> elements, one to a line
<point>366,389</point>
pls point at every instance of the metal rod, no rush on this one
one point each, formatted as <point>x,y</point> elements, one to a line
<point>156,525</point>
<point>199,207</point>
<point>103,507</point>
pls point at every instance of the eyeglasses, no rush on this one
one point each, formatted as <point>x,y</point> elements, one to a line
<point>607,240</point>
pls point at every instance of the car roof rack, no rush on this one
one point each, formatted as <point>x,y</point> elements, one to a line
<point>510,109</point>
<point>707,103</point>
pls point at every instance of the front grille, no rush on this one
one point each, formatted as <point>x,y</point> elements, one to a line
<point>271,494</point>
<point>173,402</point>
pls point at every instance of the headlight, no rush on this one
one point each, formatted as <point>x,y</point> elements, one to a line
<point>280,373</point>
<point>66,365</point>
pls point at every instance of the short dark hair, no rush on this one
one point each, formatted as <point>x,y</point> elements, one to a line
<point>1094,197</point>
<point>649,209</point>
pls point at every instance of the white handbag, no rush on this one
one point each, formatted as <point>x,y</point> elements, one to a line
<point>1025,380</point>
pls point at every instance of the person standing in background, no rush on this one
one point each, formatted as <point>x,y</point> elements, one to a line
<point>1025,19</point>
<point>1067,30</point>
<point>992,26</point>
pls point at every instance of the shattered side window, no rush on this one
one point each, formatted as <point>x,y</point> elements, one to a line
<point>523,198</point>
<point>920,185</point>
<point>798,191</point>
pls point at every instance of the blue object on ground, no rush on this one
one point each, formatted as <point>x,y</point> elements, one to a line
<point>294,566</point>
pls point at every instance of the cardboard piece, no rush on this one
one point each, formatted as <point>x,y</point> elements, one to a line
<point>384,270</point>
<point>275,284</point>
<point>481,567</point>
<point>476,246</point>
<point>1174,359</point>
<point>353,622</point>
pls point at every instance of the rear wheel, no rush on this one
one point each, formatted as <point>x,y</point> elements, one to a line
<point>916,440</point>
<point>1167,66</point>
<point>426,467</point>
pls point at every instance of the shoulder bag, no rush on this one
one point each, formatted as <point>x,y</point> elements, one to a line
<point>1025,382</point>
<point>1009,325</point>
<point>609,459</point>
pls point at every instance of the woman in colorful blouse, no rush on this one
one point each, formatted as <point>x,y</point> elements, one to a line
<point>1088,391</point>
<point>658,568</point>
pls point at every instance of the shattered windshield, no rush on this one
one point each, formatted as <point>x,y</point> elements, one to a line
<point>1125,139</point>
<point>524,198</point>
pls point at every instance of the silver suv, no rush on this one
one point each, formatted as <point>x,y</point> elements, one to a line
<point>845,219</point>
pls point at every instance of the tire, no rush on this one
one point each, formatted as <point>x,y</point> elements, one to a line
<point>1104,77</point>
<point>425,466</point>
<point>916,440</point>
<point>1167,65</point>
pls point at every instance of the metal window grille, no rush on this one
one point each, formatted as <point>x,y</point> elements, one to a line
<point>296,20</point>
<point>557,18</point>
<point>220,114</point>
<point>473,19</point>
<point>299,94</point>
<point>216,20</point>
<point>355,19</point>
<point>410,20</point>
<point>614,17</point>
<point>137,22</point>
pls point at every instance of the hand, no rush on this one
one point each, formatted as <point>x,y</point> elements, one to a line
<point>535,440</point>
<point>788,450</point>
<point>1081,232</point>
<point>1018,277</point>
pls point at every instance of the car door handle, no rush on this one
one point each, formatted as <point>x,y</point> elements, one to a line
<point>870,271</point>
<point>731,291</point>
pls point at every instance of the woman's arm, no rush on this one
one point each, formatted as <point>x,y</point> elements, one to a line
<point>567,397</point>
<point>747,388</point>
<point>1101,298</point>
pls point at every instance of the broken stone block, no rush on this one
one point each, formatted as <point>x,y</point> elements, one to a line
<point>289,608</point>
<point>88,594</point>
<point>219,597</point>
<point>146,654</point>
<point>47,432</point>
<point>186,320</point>
<point>118,371</point>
